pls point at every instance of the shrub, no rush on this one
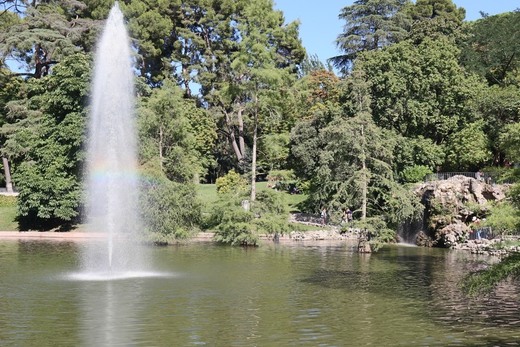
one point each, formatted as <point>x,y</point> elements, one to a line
<point>170,210</point>
<point>503,218</point>
<point>416,173</point>
<point>378,231</point>
<point>235,225</point>
<point>232,182</point>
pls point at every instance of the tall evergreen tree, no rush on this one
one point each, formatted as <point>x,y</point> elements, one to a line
<point>436,18</point>
<point>45,33</point>
<point>370,25</point>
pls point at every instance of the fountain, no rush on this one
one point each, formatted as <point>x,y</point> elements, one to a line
<point>111,177</point>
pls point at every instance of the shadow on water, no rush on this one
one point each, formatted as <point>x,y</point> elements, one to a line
<point>424,283</point>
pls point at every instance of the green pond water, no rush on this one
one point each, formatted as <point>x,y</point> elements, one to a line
<point>303,294</point>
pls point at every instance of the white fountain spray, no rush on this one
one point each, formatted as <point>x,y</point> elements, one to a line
<point>112,180</point>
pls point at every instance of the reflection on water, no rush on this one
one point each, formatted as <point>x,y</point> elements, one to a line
<point>277,295</point>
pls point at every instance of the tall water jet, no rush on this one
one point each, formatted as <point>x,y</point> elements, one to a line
<point>111,177</point>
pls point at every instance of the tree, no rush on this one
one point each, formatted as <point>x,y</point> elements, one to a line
<point>9,91</point>
<point>348,159</point>
<point>216,44</point>
<point>417,153</point>
<point>170,210</point>
<point>509,141</point>
<point>370,25</point>
<point>45,33</point>
<point>421,90</point>
<point>499,107</point>
<point>434,19</point>
<point>175,133</point>
<point>468,149</point>
<point>45,144</point>
<point>492,49</point>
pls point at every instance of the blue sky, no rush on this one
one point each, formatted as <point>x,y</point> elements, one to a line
<point>319,23</point>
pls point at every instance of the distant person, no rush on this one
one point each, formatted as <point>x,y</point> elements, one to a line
<point>349,215</point>
<point>344,218</point>
<point>323,216</point>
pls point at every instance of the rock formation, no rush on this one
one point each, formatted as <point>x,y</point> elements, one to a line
<point>450,205</point>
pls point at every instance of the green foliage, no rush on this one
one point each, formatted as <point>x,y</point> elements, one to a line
<point>503,218</point>
<point>420,90</point>
<point>417,151</point>
<point>492,49</point>
<point>500,106</point>
<point>484,281</point>
<point>415,173</point>
<point>231,183</point>
<point>468,149</point>
<point>436,19</point>
<point>399,204</point>
<point>370,25</point>
<point>45,144</point>
<point>170,210</point>
<point>283,180</point>
<point>235,225</point>
<point>176,132</point>
<point>514,195</point>
<point>500,174</point>
<point>348,159</point>
<point>274,151</point>
<point>377,231</point>
<point>269,201</point>
<point>271,212</point>
<point>47,33</point>
<point>510,141</point>
<point>280,176</point>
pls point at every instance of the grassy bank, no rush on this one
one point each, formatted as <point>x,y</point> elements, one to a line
<point>8,213</point>
<point>208,194</point>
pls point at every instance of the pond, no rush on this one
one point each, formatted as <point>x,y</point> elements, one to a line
<point>298,294</point>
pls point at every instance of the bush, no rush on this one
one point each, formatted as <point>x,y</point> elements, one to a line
<point>235,225</point>
<point>232,182</point>
<point>268,201</point>
<point>416,173</point>
<point>501,174</point>
<point>378,231</point>
<point>503,218</point>
<point>170,210</point>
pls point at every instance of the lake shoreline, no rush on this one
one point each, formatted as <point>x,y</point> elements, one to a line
<point>318,235</point>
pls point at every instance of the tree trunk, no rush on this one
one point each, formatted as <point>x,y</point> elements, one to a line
<point>241,141</point>
<point>253,160</point>
<point>7,171</point>
<point>232,139</point>
<point>364,178</point>
<point>161,159</point>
